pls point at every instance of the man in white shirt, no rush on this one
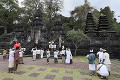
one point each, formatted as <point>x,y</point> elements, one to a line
<point>100,55</point>
<point>56,56</point>
<point>63,55</point>
<point>34,54</point>
<point>102,70</point>
<point>37,53</point>
<point>106,60</point>
<point>54,46</point>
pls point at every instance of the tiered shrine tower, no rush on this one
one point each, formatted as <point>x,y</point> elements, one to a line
<point>57,33</point>
<point>90,24</point>
<point>38,28</point>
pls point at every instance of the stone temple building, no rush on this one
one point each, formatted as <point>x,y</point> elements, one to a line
<point>101,36</point>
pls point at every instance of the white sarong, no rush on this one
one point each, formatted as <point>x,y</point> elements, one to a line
<point>92,67</point>
<point>11,59</point>
<point>68,60</point>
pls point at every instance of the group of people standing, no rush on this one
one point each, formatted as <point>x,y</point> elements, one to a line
<point>103,68</point>
<point>64,54</point>
<point>36,51</point>
<point>15,56</point>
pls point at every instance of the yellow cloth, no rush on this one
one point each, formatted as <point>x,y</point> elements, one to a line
<point>4,52</point>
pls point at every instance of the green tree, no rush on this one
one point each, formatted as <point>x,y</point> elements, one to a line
<point>111,19</point>
<point>79,15</point>
<point>77,38</point>
<point>51,9</point>
<point>29,9</point>
<point>9,11</point>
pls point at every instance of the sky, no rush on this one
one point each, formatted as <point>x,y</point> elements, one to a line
<point>69,5</point>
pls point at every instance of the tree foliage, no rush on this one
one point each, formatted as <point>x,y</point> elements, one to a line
<point>9,11</point>
<point>51,9</point>
<point>79,15</point>
<point>77,38</point>
<point>111,19</point>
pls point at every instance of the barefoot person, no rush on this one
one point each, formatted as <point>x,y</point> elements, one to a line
<point>91,62</point>
<point>16,59</point>
<point>11,61</point>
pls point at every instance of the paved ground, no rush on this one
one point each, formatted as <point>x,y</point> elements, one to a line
<point>39,70</point>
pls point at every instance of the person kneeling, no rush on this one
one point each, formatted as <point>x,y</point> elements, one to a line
<point>102,71</point>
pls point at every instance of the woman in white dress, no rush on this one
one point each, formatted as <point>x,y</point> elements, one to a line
<point>68,53</point>
<point>42,51</point>
<point>11,61</point>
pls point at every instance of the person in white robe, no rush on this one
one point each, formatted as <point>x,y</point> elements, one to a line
<point>100,55</point>
<point>11,60</point>
<point>68,53</point>
<point>42,52</point>
<point>102,70</point>
<point>54,47</point>
<point>34,54</point>
<point>106,61</point>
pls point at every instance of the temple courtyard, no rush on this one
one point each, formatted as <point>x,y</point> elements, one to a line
<point>39,70</point>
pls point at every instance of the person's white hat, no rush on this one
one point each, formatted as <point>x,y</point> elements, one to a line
<point>101,49</point>
<point>104,50</point>
<point>91,50</point>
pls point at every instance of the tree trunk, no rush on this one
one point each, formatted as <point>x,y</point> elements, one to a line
<point>75,51</point>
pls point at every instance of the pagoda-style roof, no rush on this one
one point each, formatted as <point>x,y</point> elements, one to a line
<point>90,24</point>
<point>103,23</point>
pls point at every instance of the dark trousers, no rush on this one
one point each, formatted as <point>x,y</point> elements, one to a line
<point>47,59</point>
<point>55,60</point>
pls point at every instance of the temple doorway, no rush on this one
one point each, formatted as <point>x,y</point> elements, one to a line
<point>36,36</point>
